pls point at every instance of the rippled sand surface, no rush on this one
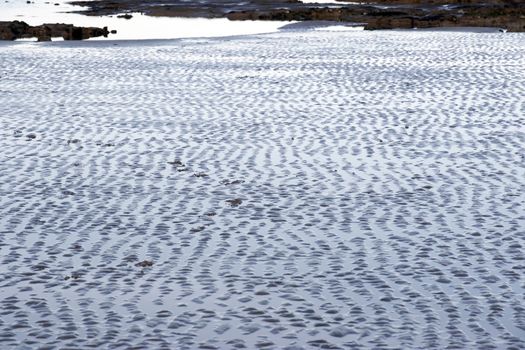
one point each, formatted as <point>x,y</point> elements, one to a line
<point>295,190</point>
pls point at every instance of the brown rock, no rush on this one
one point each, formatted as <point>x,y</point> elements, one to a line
<point>144,263</point>
<point>234,202</point>
<point>17,30</point>
<point>13,30</point>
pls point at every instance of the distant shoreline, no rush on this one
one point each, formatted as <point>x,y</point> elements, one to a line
<point>143,18</point>
<point>390,14</point>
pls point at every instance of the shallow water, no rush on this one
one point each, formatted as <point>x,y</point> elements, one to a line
<point>138,27</point>
<point>381,178</point>
<point>328,2</point>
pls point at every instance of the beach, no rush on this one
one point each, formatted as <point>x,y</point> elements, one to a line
<point>310,188</point>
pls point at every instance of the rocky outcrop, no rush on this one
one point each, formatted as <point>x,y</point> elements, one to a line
<point>407,17</point>
<point>441,2</point>
<point>18,30</point>
<point>13,30</point>
<point>376,14</point>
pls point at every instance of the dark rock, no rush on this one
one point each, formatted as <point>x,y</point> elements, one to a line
<point>176,163</point>
<point>13,30</point>
<point>383,14</point>
<point>18,29</point>
<point>234,202</point>
<point>144,263</point>
<point>231,182</point>
<point>511,18</point>
<point>73,276</point>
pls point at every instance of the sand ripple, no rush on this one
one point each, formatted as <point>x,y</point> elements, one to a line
<point>296,190</point>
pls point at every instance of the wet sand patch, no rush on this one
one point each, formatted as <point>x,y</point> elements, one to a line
<point>380,176</point>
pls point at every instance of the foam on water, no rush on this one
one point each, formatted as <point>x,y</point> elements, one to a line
<point>294,190</point>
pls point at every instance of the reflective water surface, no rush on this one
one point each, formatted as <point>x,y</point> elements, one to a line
<point>138,27</point>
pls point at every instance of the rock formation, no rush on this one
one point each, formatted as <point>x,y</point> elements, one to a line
<point>510,18</point>
<point>18,30</point>
<point>376,14</point>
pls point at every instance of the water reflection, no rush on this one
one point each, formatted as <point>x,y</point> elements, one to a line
<point>138,27</point>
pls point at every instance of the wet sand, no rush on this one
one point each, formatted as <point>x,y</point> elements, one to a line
<point>303,189</point>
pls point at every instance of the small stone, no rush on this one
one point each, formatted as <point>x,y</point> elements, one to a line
<point>176,162</point>
<point>229,182</point>
<point>144,263</point>
<point>234,202</point>
<point>200,174</point>
<point>197,229</point>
